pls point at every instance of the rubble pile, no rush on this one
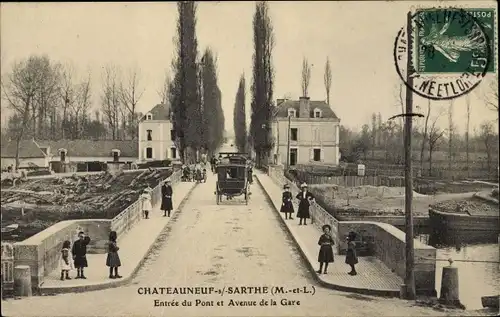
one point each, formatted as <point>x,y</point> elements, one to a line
<point>106,192</point>
<point>39,203</point>
<point>473,206</point>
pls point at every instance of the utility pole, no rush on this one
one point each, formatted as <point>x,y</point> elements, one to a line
<point>288,143</point>
<point>409,250</point>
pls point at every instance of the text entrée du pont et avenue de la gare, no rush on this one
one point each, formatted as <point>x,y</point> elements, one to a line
<point>198,301</point>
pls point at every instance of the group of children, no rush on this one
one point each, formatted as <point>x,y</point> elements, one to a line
<point>325,242</point>
<point>76,256</point>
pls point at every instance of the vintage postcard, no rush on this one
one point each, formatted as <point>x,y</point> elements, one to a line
<point>231,158</point>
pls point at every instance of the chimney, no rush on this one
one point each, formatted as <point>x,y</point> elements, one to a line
<point>304,107</point>
<point>116,155</point>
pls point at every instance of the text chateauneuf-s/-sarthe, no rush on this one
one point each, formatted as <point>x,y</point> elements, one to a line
<point>227,290</point>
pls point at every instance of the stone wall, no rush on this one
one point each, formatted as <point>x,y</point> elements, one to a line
<point>43,250</point>
<point>389,241</point>
<point>389,247</point>
<point>319,216</point>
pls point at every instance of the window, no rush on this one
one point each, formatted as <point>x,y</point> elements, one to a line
<point>173,153</point>
<point>293,134</point>
<point>172,135</point>
<point>317,155</point>
<point>150,138</point>
<point>149,152</point>
<point>317,113</point>
<point>149,116</point>
<point>291,113</point>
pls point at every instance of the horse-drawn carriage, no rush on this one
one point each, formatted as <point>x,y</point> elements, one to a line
<point>232,177</point>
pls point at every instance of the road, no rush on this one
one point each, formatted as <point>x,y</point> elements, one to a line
<point>232,244</point>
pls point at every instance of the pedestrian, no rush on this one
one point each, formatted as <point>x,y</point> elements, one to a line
<point>146,202</point>
<point>287,205</point>
<point>250,173</point>
<point>326,243</point>
<point>166,197</point>
<point>351,258</point>
<point>305,199</point>
<point>113,260</point>
<point>65,262</point>
<point>79,252</point>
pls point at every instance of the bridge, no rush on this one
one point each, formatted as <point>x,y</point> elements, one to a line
<point>239,251</point>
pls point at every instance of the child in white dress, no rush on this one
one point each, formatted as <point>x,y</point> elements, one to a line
<point>146,202</point>
<point>65,262</point>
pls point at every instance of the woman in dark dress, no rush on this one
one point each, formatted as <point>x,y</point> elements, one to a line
<point>326,243</point>
<point>113,260</point>
<point>287,205</point>
<point>166,197</point>
<point>305,199</point>
<point>351,257</point>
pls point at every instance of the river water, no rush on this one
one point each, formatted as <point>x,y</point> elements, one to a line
<point>477,260</point>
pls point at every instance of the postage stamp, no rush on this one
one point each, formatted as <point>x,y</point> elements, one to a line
<point>450,43</point>
<point>445,51</point>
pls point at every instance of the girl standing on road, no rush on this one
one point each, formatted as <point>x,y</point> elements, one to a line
<point>65,262</point>
<point>113,260</point>
<point>146,202</point>
<point>351,257</point>
<point>166,197</point>
<point>325,255</point>
<point>287,205</point>
<point>305,198</point>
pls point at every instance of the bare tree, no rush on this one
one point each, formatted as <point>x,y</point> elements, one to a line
<point>488,138</point>
<point>450,135</point>
<point>68,96</point>
<point>491,97</point>
<point>467,130</point>
<point>163,92</point>
<point>81,106</point>
<point>435,134</point>
<point>110,99</point>
<point>19,90</point>
<point>328,79</point>
<point>424,137</point>
<point>306,77</point>
<point>130,94</point>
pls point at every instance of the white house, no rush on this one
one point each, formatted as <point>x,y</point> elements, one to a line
<point>311,134</point>
<point>156,135</point>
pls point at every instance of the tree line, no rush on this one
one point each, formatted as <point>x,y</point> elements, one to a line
<point>194,92</point>
<point>259,135</point>
<point>386,137</point>
<point>50,101</point>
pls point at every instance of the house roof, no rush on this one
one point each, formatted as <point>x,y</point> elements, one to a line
<point>27,149</point>
<point>92,148</point>
<point>283,106</point>
<point>159,112</point>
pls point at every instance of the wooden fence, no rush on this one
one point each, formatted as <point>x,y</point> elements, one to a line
<point>351,181</point>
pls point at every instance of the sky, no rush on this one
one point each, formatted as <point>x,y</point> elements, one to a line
<point>357,37</point>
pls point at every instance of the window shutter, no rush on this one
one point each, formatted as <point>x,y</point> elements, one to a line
<point>322,155</point>
<point>311,154</point>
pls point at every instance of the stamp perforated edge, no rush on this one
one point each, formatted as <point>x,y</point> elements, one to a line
<point>493,57</point>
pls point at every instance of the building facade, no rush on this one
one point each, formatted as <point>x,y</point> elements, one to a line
<point>156,135</point>
<point>305,132</point>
